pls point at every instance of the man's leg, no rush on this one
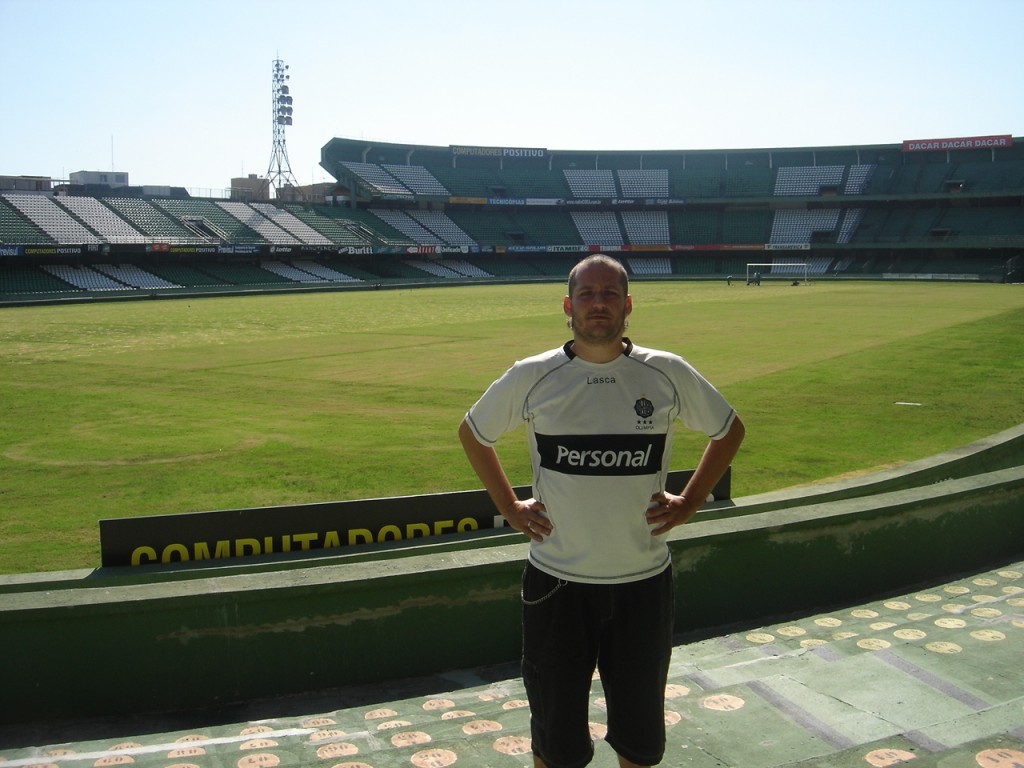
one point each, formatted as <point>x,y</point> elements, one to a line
<point>636,649</point>
<point>559,657</point>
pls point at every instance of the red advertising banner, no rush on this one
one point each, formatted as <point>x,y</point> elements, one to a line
<point>963,142</point>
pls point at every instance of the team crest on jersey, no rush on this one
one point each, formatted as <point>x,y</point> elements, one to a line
<point>644,408</point>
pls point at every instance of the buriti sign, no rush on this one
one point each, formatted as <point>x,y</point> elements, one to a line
<point>237,533</point>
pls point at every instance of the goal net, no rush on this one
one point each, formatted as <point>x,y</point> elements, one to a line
<point>790,271</point>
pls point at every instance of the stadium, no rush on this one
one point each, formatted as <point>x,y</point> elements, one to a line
<point>874,620</point>
<point>942,209</point>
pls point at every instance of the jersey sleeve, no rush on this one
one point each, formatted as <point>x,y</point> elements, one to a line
<point>702,407</point>
<point>499,409</point>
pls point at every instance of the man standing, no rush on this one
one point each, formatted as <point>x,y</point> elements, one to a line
<point>597,587</point>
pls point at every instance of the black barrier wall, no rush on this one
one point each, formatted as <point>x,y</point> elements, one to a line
<point>242,533</point>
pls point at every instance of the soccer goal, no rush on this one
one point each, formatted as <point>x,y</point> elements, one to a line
<point>794,272</point>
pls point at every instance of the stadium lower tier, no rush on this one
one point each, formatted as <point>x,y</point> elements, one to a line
<point>67,245</point>
<point>212,274</point>
<point>32,222</point>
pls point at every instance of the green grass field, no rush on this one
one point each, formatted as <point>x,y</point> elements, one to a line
<point>156,407</point>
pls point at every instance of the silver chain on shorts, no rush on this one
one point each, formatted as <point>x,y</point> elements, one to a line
<point>522,595</point>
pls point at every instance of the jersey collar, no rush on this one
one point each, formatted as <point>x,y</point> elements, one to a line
<point>567,348</point>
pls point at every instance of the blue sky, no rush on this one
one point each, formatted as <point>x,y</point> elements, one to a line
<point>178,92</point>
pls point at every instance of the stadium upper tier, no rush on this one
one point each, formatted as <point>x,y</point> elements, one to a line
<point>379,170</point>
<point>397,198</point>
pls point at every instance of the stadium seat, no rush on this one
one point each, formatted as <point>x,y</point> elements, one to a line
<point>257,222</point>
<point>85,278</point>
<point>597,227</point>
<point>646,227</point>
<point>52,219</point>
<point>408,226</point>
<point>15,227</point>
<point>807,181</point>
<point>589,184</point>
<point>417,180</point>
<point>644,183</point>
<point>102,220</point>
<point>290,223</point>
<point>792,227</point>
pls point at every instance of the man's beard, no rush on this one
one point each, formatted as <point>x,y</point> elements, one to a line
<point>611,331</point>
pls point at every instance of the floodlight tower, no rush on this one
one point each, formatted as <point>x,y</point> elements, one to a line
<point>279,173</point>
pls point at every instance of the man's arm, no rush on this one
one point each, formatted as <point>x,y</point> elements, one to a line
<point>674,510</point>
<point>524,516</point>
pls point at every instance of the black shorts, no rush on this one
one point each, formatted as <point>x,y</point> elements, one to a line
<point>625,631</point>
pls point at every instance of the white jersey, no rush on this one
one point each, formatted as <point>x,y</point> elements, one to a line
<point>600,438</point>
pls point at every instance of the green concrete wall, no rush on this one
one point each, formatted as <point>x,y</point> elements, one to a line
<point>83,643</point>
<point>812,557</point>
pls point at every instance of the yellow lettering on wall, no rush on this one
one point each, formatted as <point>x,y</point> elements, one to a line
<point>168,555</point>
<point>143,554</point>
<point>359,536</point>
<point>412,530</point>
<point>245,547</point>
<point>306,541</point>
<point>221,549</point>
<point>268,544</point>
